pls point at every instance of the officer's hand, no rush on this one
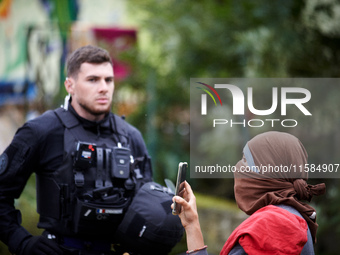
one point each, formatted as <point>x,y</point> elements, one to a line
<point>40,245</point>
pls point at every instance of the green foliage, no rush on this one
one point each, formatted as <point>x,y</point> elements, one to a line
<point>220,39</point>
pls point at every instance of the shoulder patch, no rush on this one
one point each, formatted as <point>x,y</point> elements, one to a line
<point>3,163</point>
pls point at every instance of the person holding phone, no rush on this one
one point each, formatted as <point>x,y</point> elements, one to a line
<point>280,221</point>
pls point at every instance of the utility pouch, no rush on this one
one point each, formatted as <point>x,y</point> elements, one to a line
<point>91,218</point>
<point>49,199</point>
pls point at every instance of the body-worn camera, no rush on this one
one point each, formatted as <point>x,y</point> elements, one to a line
<point>120,162</point>
<point>85,156</point>
<point>117,159</point>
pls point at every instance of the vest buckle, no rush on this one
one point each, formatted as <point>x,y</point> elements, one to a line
<point>79,179</point>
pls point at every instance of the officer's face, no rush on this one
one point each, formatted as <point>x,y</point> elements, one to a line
<point>92,90</point>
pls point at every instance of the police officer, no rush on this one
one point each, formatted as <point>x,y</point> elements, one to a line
<point>88,163</point>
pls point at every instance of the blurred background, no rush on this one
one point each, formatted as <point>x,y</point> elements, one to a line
<point>157,46</point>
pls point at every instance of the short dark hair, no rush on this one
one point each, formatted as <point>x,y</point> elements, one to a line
<point>86,54</point>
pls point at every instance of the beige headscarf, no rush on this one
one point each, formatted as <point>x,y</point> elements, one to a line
<point>285,184</point>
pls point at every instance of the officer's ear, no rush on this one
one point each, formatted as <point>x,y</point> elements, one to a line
<point>69,85</point>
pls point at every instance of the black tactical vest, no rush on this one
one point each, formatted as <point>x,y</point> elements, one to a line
<point>91,191</point>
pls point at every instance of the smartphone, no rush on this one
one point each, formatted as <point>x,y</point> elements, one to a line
<point>181,176</point>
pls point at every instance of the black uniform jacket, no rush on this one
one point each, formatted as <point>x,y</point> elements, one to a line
<point>38,146</point>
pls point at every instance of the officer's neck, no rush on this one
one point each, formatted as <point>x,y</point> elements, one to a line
<point>87,121</point>
<point>84,113</point>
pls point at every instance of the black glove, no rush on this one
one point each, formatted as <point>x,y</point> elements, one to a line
<point>40,245</point>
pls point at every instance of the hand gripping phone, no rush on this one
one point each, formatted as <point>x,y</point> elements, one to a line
<point>181,176</point>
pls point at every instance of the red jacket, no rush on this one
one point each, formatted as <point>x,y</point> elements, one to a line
<point>271,230</point>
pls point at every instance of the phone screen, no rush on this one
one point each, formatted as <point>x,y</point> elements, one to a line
<point>181,176</point>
